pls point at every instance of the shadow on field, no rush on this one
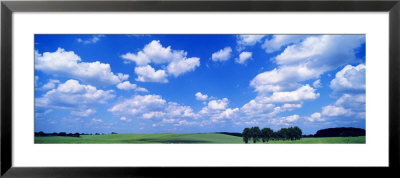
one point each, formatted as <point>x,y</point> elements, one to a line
<point>172,141</point>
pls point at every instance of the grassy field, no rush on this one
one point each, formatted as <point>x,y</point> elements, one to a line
<point>182,138</point>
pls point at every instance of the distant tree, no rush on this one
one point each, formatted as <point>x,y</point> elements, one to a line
<point>54,134</point>
<point>62,134</point>
<point>97,134</point>
<point>298,133</point>
<point>266,134</point>
<point>347,133</point>
<point>76,134</point>
<point>113,133</point>
<point>283,134</point>
<point>41,133</point>
<point>255,133</point>
<point>246,135</point>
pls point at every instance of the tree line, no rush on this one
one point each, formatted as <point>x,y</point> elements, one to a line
<point>41,134</point>
<point>267,134</point>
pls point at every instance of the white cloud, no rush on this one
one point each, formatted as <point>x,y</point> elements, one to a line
<point>50,85</point>
<point>123,118</point>
<point>152,107</point>
<point>278,41</point>
<point>222,55</point>
<point>155,53</point>
<point>176,110</point>
<point>153,114</point>
<point>228,113</point>
<point>257,106</point>
<point>218,104</point>
<point>149,74</point>
<point>285,121</point>
<point>68,64</point>
<point>291,106</point>
<point>129,86</point>
<point>139,104</point>
<point>243,57</point>
<point>71,94</point>
<point>292,118</point>
<point>185,122</point>
<point>122,76</point>
<point>350,78</point>
<point>283,78</point>
<point>179,67</point>
<point>332,110</point>
<point>353,101</point>
<point>307,60</point>
<point>324,50</point>
<point>248,40</point>
<point>140,58</point>
<point>300,94</point>
<point>315,117</point>
<point>84,113</point>
<point>317,84</point>
<point>92,40</point>
<point>201,97</point>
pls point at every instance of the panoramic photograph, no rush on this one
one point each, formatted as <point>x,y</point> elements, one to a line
<point>199,89</point>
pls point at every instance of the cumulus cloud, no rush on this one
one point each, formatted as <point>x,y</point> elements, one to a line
<point>201,97</point>
<point>122,76</point>
<point>92,40</point>
<point>154,53</point>
<point>332,110</point>
<point>50,85</point>
<point>123,118</point>
<point>129,86</point>
<point>217,109</point>
<point>317,84</point>
<point>315,117</point>
<point>179,67</point>
<point>222,55</point>
<point>68,64</point>
<point>149,74</point>
<point>345,106</point>
<point>243,57</point>
<point>84,113</point>
<point>283,121</point>
<point>139,104</point>
<point>307,60</point>
<point>218,104</point>
<point>152,107</point>
<point>278,41</point>
<point>228,113</point>
<point>249,40</point>
<point>303,93</point>
<point>350,78</point>
<point>72,94</point>
<point>257,106</point>
<point>285,77</point>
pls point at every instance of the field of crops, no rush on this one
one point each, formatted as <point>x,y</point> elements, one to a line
<point>202,138</point>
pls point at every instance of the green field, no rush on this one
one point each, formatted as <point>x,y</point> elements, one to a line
<point>182,138</point>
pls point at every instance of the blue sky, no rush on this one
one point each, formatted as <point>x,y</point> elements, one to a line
<point>198,83</point>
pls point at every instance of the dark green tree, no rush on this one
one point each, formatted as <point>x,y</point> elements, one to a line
<point>282,134</point>
<point>298,133</point>
<point>246,135</point>
<point>255,133</point>
<point>266,134</point>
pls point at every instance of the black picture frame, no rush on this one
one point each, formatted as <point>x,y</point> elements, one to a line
<point>8,7</point>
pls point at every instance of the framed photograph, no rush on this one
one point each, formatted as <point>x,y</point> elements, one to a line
<point>159,88</point>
